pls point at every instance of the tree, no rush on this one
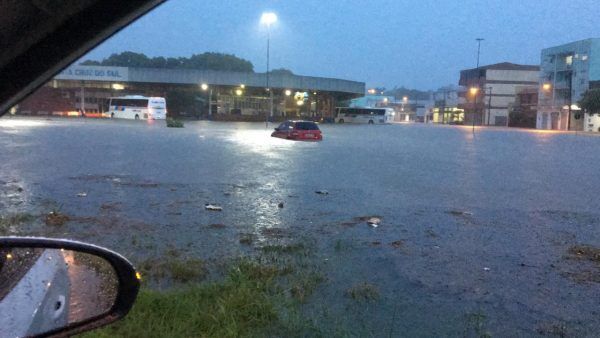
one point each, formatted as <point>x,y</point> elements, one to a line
<point>204,61</point>
<point>281,71</point>
<point>590,102</point>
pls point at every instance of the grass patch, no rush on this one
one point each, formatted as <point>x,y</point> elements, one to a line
<point>15,219</point>
<point>303,287</point>
<point>56,218</point>
<point>181,270</point>
<point>284,249</point>
<point>239,306</point>
<point>253,297</point>
<point>173,123</point>
<point>363,291</point>
<point>476,323</point>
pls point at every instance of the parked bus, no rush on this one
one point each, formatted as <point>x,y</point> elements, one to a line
<point>137,107</point>
<point>364,115</point>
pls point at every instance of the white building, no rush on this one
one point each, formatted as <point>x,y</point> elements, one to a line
<point>492,90</point>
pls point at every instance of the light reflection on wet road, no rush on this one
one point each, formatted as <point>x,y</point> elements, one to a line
<point>529,197</point>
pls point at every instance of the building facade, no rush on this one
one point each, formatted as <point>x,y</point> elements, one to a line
<point>567,72</point>
<point>446,102</point>
<point>193,93</point>
<point>492,89</point>
<point>523,112</point>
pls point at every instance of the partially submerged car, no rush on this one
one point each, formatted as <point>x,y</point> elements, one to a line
<point>299,131</point>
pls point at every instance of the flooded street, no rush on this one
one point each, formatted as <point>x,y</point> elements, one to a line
<point>479,232</point>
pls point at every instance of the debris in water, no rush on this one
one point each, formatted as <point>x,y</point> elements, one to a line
<point>19,189</point>
<point>280,205</point>
<point>460,213</point>
<point>374,221</point>
<point>322,192</point>
<point>486,269</point>
<point>55,218</point>
<point>212,207</point>
<point>397,244</point>
<point>82,194</point>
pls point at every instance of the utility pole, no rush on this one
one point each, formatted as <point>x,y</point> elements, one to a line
<point>570,99</point>
<point>478,79</point>
<point>490,106</point>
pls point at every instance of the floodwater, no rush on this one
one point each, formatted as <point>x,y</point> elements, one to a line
<point>475,228</point>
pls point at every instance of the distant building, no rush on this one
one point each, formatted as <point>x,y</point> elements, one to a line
<point>408,110</point>
<point>523,112</point>
<point>567,72</point>
<point>79,90</point>
<point>371,101</point>
<point>496,90</point>
<point>445,109</point>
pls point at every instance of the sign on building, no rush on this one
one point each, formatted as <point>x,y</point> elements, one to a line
<point>94,73</point>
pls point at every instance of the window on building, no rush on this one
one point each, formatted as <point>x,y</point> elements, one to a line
<point>569,60</point>
<point>584,57</point>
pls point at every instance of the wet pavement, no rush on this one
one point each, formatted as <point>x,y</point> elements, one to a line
<point>474,235</point>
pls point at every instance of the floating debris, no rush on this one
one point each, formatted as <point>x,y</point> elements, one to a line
<point>322,192</point>
<point>374,221</point>
<point>55,218</point>
<point>460,213</point>
<point>82,194</point>
<point>486,269</point>
<point>280,205</point>
<point>212,207</point>
<point>397,244</point>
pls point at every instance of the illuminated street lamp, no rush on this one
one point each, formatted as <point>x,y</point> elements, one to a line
<point>288,92</point>
<point>268,19</point>
<point>238,92</point>
<point>205,87</point>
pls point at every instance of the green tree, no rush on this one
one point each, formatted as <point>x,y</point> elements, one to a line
<point>204,61</point>
<point>281,71</point>
<point>590,102</point>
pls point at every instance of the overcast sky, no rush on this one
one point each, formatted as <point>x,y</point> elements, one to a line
<point>419,44</point>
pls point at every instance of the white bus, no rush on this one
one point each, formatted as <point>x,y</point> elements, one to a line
<point>137,107</point>
<point>364,115</point>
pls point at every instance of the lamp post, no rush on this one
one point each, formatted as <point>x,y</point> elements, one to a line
<point>474,91</point>
<point>268,18</point>
<point>205,87</point>
<point>490,107</point>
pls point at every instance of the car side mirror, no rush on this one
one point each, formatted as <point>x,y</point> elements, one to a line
<point>52,287</point>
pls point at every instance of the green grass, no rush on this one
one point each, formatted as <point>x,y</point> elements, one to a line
<point>245,303</point>
<point>260,296</point>
<point>238,306</point>
<point>363,291</point>
<point>173,123</point>
<point>284,249</point>
<point>177,269</point>
<point>14,219</point>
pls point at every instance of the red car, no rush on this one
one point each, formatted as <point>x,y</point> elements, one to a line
<point>298,130</point>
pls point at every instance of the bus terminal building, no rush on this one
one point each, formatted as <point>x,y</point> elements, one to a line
<point>192,93</point>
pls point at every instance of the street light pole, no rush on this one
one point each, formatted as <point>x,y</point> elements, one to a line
<point>268,19</point>
<point>210,103</point>
<point>478,79</point>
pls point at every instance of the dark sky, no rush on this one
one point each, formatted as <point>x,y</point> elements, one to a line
<point>418,43</point>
